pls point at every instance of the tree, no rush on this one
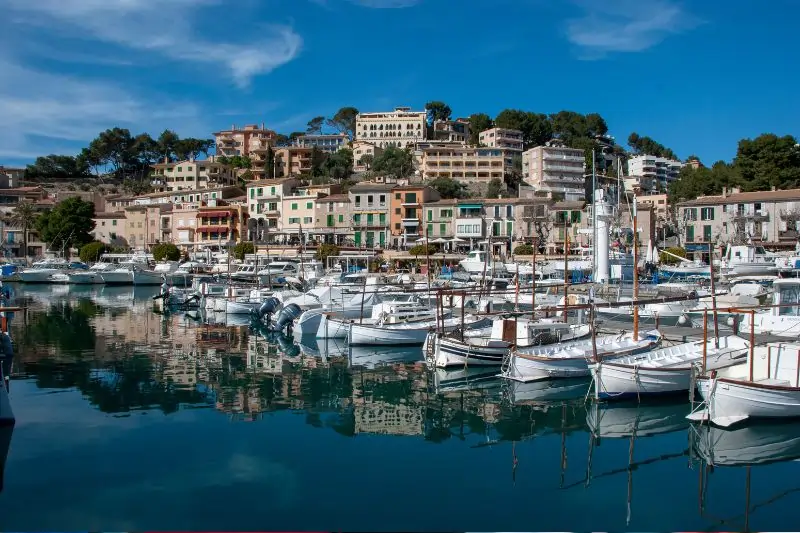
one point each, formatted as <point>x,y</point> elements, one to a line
<point>315,125</point>
<point>344,121</point>
<point>324,251</point>
<point>478,122</point>
<point>24,216</point>
<point>646,145</point>
<point>191,148</point>
<point>237,161</point>
<point>768,161</point>
<point>668,259</point>
<point>92,251</point>
<point>339,165</point>
<point>513,176</point>
<point>318,158</point>
<point>281,139</point>
<point>495,188</point>
<point>242,249</point>
<point>693,183</point>
<point>535,127</point>
<point>57,167</point>
<point>421,249</point>
<point>166,144</point>
<point>437,111</point>
<point>449,188</point>
<point>68,224</point>
<point>398,162</point>
<point>166,251</point>
<point>366,160</point>
<point>523,249</point>
<point>269,165</point>
<point>115,149</point>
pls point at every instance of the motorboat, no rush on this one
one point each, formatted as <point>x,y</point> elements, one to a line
<point>747,260</point>
<point>764,386</point>
<point>665,370</point>
<point>782,319</point>
<point>42,271</point>
<point>92,276</point>
<point>132,273</point>
<point>480,261</point>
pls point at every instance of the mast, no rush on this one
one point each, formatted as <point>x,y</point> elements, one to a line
<point>533,280</point>
<point>566,267</point>
<point>635,274</point>
<point>713,294</point>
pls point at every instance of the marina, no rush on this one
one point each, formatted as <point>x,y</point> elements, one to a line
<point>182,418</point>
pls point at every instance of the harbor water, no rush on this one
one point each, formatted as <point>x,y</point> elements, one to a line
<point>128,420</point>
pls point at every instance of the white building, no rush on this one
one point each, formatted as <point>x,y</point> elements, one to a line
<point>192,175</point>
<point>501,138</point>
<point>555,169</point>
<point>328,143</point>
<point>401,127</point>
<point>659,171</point>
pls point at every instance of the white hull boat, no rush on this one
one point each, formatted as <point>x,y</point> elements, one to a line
<point>571,360</point>
<point>662,371</point>
<point>39,275</point>
<point>753,444</point>
<point>148,277</point>
<point>408,333</point>
<point>87,277</point>
<point>735,394</point>
<point>783,319</point>
<point>241,308</point>
<point>118,277</point>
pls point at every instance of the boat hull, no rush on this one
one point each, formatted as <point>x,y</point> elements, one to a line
<point>767,323</point>
<point>38,276</point>
<point>85,278</point>
<point>241,308</point>
<point>452,352</point>
<point>118,278</point>
<point>730,401</point>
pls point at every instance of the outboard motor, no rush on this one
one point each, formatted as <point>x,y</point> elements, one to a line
<point>285,318</point>
<point>269,306</point>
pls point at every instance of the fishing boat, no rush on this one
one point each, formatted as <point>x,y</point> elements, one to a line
<point>453,350</point>
<point>571,360</point>
<point>480,261</point>
<point>765,386</point>
<point>783,318</point>
<point>665,370</point>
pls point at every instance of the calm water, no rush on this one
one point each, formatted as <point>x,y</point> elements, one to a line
<point>129,420</point>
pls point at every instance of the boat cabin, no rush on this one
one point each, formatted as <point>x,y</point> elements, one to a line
<point>787,296</point>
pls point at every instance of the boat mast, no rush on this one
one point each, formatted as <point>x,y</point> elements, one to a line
<point>533,280</point>
<point>713,294</point>
<point>566,266</point>
<point>635,275</point>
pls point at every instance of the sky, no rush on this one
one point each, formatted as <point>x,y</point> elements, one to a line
<point>697,76</point>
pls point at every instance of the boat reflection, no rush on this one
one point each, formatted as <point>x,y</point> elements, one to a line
<point>5,443</point>
<point>549,390</point>
<point>447,380</point>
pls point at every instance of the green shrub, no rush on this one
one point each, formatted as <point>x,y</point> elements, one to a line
<point>242,249</point>
<point>324,251</point>
<point>166,251</point>
<point>668,259</point>
<point>422,249</point>
<point>523,249</point>
<point>92,251</point>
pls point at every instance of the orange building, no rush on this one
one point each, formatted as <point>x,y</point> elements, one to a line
<point>220,225</point>
<point>405,212</point>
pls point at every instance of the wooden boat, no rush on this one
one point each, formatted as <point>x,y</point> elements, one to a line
<point>571,360</point>
<point>765,386</point>
<point>663,371</point>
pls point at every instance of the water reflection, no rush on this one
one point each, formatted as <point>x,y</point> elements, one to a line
<point>538,437</point>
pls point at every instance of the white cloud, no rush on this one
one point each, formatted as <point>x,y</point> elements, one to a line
<point>162,27</point>
<point>626,25</point>
<point>40,111</point>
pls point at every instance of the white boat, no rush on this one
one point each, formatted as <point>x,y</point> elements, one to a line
<point>388,332</point>
<point>277,271</point>
<point>42,271</point>
<point>92,276</point>
<point>666,313</point>
<point>770,390</point>
<point>245,273</point>
<point>492,350</point>
<point>747,260</point>
<point>685,268</point>
<point>332,321</point>
<point>781,320</point>
<point>479,261</point>
<point>751,444</point>
<point>663,371</point>
<point>571,360</point>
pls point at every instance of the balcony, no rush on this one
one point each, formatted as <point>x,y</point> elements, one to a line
<point>410,222</point>
<point>757,216</point>
<point>374,205</point>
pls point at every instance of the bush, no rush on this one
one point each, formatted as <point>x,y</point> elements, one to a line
<point>324,251</point>
<point>242,249</point>
<point>166,251</point>
<point>422,249</point>
<point>92,251</point>
<point>668,259</point>
<point>523,249</point>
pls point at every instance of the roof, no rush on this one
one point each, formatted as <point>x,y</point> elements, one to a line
<point>746,197</point>
<point>369,186</point>
<point>334,198</point>
<point>575,204</point>
<point>273,181</point>
<point>184,192</point>
<point>446,201</point>
<point>106,215</point>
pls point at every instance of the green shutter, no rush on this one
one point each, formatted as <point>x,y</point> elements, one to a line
<point>509,228</point>
<point>330,221</point>
<point>382,219</point>
<point>430,215</point>
<point>357,238</point>
<point>442,229</point>
<point>341,218</point>
<point>252,193</point>
<point>382,238</point>
<point>370,218</point>
<point>429,230</point>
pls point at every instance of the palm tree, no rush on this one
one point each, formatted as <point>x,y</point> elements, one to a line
<point>24,215</point>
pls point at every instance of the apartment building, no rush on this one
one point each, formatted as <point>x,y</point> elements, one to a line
<point>768,218</point>
<point>333,219</point>
<point>399,128</point>
<point>569,218</point>
<point>406,212</point>
<point>109,227</point>
<point>659,203</point>
<point>11,197</point>
<point>177,197</point>
<point>184,224</point>
<point>243,140</point>
<point>555,169</point>
<point>192,175</point>
<point>143,226</point>
<point>440,218</point>
<point>656,172</point>
<point>363,154</point>
<point>457,131</point>
<point>328,143</point>
<point>370,204</point>
<point>467,164</point>
<point>506,139</point>
<point>298,216</point>
<point>265,202</point>
<point>219,225</point>
<point>11,176</point>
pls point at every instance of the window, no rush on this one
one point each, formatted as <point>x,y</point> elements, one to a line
<point>308,220</point>
<point>397,225</point>
<point>690,214</point>
<point>370,198</point>
<point>382,199</point>
<point>509,228</point>
<point>358,200</point>
<point>113,222</point>
<point>382,219</point>
<point>397,211</point>
<point>294,220</point>
<point>495,229</point>
<point>272,191</point>
<point>309,205</point>
<point>397,196</point>
<point>294,207</point>
<point>689,233</point>
<point>707,233</point>
<point>509,211</point>
<point>252,193</point>
<point>497,211</point>
<point>429,230</point>
<point>576,217</point>
<point>261,191</point>
<point>445,213</point>
<point>411,198</point>
<point>707,213</point>
<point>370,219</point>
<point>341,218</point>
<point>442,229</point>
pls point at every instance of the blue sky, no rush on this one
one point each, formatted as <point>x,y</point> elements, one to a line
<point>695,75</point>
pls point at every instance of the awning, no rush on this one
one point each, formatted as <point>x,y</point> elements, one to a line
<point>214,229</point>
<point>470,206</point>
<point>214,214</point>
